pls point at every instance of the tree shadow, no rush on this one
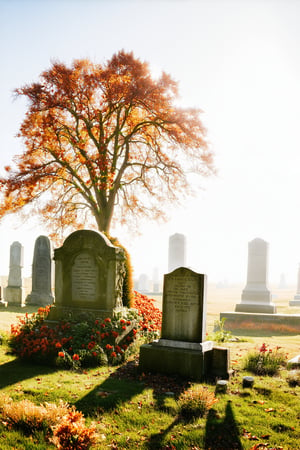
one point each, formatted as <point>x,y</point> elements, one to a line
<point>155,441</point>
<point>125,383</point>
<point>17,371</point>
<point>222,434</point>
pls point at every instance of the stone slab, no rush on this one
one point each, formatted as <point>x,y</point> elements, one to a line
<point>186,363</point>
<point>286,319</point>
<point>14,296</point>
<point>191,364</point>
<point>295,362</point>
<point>199,346</point>
<point>256,308</point>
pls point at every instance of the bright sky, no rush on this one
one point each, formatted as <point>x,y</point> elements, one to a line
<point>237,60</point>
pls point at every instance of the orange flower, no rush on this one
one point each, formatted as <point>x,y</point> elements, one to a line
<point>75,357</point>
<point>61,354</point>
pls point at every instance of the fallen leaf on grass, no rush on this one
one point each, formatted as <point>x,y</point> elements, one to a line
<point>270,409</point>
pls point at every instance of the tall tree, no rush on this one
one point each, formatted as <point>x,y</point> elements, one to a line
<point>100,136</point>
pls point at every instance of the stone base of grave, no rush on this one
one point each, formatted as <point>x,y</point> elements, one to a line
<point>235,320</point>
<point>268,308</point>
<point>39,298</point>
<point>14,296</point>
<point>256,301</point>
<point>294,363</point>
<point>73,314</point>
<point>195,361</point>
<point>296,301</point>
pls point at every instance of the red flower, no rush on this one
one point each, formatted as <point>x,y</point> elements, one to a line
<point>108,347</point>
<point>107,319</point>
<point>96,322</point>
<point>58,345</point>
<point>122,321</point>
<point>75,357</point>
<point>95,354</point>
<point>61,354</point>
<point>113,354</point>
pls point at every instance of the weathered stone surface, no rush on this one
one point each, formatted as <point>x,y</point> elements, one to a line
<point>41,273</point>
<point>184,306</point>
<point>89,275</point>
<point>256,296</point>
<point>14,293</point>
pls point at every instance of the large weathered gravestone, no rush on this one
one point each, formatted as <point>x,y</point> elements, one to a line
<point>256,297</point>
<point>177,251</point>
<point>182,349</point>
<point>296,301</point>
<point>14,294</point>
<point>41,273</point>
<point>89,275</point>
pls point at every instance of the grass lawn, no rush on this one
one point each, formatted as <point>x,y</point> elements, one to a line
<point>134,410</point>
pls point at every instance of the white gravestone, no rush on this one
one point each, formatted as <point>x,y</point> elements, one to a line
<point>177,251</point>
<point>296,301</point>
<point>14,291</point>
<point>256,297</point>
<point>41,273</point>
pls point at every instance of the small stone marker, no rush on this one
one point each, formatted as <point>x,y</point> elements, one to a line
<point>296,301</point>
<point>41,273</point>
<point>14,294</point>
<point>221,386</point>
<point>248,382</point>
<point>256,297</point>
<point>294,362</point>
<point>89,275</point>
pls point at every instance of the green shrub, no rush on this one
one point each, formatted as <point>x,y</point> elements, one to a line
<point>264,361</point>
<point>220,334</point>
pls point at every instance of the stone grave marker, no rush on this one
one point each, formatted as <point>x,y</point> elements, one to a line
<point>41,273</point>
<point>256,297</point>
<point>184,306</point>
<point>89,275</point>
<point>14,294</point>
<point>182,349</point>
<point>177,251</point>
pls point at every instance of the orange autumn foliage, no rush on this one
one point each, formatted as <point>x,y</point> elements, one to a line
<point>98,136</point>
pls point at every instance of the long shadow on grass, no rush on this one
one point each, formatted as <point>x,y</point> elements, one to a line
<point>16,371</point>
<point>124,384</point>
<point>222,434</point>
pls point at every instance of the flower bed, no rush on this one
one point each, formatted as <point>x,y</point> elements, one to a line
<point>85,344</point>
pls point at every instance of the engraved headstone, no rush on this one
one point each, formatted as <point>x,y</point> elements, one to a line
<point>89,275</point>
<point>256,297</point>
<point>182,349</point>
<point>177,251</point>
<point>41,273</point>
<point>14,293</point>
<point>296,301</point>
<point>184,306</point>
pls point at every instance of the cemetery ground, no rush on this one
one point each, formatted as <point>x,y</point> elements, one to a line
<point>131,409</point>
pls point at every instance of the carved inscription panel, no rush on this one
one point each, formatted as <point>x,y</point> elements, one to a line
<point>85,278</point>
<point>183,293</point>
